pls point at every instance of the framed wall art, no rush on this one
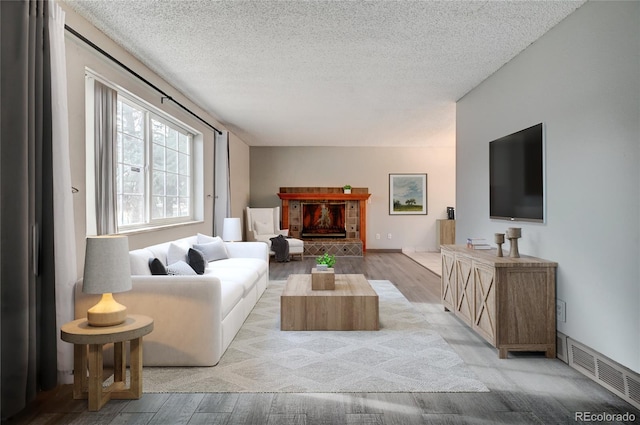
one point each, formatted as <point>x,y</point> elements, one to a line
<point>407,194</point>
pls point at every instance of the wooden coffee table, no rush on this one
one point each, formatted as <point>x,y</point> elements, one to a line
<point>352,306</point>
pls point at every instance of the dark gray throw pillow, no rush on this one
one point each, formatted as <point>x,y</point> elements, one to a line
<point>197,260</point>
<point>156,267</point>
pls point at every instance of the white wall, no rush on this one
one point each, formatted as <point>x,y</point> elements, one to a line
<point>275,167</point>
<point>79,56</point>
<point>582,80</point>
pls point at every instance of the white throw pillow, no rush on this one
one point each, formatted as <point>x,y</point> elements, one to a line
<point>176,253</point>
<point>261,228</point>
<point>213,250</point>
<point>180,268</point>
<point>283,232</point>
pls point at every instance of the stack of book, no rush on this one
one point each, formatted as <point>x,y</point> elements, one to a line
<point>477,243</point>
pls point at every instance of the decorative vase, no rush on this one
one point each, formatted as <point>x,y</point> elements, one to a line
<point>499,239</point>
<point>513,248</point>
<point>513,233</point>
<point>347,191</point>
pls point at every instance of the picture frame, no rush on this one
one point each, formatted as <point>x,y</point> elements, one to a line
<point>408,194</point>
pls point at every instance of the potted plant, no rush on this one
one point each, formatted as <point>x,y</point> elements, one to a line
<point>322,277</point>
<point>347,188</point>
<point>325,261</point>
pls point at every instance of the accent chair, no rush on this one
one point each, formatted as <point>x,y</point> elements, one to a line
<point>264,224</point>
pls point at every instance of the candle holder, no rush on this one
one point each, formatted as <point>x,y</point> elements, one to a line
<point>513,234</point>
<point>499,240</point>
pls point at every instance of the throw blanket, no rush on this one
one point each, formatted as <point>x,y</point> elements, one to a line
<point>280,246</point>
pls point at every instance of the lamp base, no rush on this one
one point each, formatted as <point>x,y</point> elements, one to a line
<point>108,312</point>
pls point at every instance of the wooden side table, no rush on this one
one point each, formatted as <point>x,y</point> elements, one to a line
<point>92,338</point>
<point>445,232</point>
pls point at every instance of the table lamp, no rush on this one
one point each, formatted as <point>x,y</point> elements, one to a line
<point>232,230</point>
<point>107,270</point>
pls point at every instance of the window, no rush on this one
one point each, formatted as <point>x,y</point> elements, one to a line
<point>154,182</point>
<point>144,167</point>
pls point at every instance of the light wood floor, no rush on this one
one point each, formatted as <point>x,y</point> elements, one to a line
<point>525,388</point>
<point>429,259</point>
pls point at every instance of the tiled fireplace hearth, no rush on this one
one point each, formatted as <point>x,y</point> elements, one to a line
<point>326,218</point>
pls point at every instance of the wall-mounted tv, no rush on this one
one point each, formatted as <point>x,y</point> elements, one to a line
<point>516,176</point>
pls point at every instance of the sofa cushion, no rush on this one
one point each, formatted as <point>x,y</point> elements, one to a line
<point>196,260</point>
<point>255,264</point>
<point>180,268</point>
<point>265,238</point>
<point>157,267</point>
<point>213,251</point>
<point>231,294</point>
<point>245,277</point>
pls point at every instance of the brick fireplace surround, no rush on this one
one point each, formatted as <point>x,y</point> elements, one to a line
<point>355,243</point>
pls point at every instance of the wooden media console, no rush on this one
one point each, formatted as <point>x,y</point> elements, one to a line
<point>510,302</point>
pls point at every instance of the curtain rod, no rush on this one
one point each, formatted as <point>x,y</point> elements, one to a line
<point>140,77</point>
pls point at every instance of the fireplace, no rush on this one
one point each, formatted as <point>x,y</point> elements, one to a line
<point>323,220</point>
<point>346,231</point>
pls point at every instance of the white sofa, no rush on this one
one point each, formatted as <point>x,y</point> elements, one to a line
<point>195,317</point>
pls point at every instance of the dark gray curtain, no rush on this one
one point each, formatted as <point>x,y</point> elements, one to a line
<point>28,322</point>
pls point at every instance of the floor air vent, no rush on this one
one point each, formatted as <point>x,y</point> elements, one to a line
<point>611,375</point>
<point>634,389</point>
<point>582,358</point>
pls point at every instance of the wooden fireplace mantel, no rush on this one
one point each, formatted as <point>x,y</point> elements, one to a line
<point>324,196</point>
<point>303,196</point>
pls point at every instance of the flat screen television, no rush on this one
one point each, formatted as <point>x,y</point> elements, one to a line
<point>516,176</point>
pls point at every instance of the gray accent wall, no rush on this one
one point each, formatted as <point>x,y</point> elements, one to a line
<point>275,167</point>
<point>582,80</point>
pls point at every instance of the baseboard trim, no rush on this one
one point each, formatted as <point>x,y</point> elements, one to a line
<point>384,250</point>
<point>613,376</point>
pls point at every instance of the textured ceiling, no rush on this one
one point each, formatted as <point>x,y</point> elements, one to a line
<point>332,73</point>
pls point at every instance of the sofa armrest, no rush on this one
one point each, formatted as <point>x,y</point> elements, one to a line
<point>248,250</point>
<point>147,292</point>
<point>187,313</point>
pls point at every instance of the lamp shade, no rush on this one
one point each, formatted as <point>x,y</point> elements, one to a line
<point>232,230</point>
<point>106,265</point>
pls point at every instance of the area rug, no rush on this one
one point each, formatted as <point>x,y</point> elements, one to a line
<point>405,355</point>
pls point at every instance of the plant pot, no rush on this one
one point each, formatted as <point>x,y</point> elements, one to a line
<point>347,191</point>
<point>323,280</point>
